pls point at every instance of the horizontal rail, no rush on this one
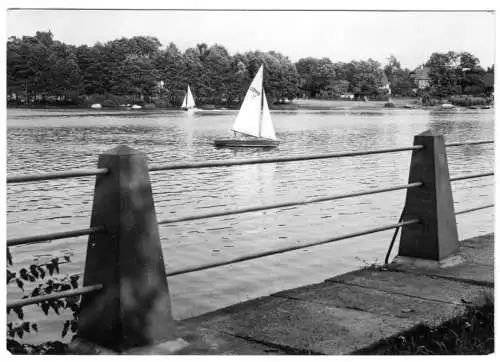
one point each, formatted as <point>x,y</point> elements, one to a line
<point>474,209</point>
<point>56,175</point>
<point>465,177</point>
<point>177,166</point>
<point>289,248</point>
<point>224,163</point>
<point>468,143</point>
<point>286,204</point>
<point>53,236</point>
<point>58,295</point>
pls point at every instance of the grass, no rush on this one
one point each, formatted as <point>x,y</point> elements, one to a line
<point>468,334</point>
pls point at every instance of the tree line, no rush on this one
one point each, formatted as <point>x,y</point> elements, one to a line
<point>138,69</point>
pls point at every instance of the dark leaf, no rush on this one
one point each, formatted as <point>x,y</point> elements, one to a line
<point>34,271</point>
<point>20,283</point>
<point>48,289</point>
<point>42,272</point>
<point>9,326</point>
<point>65,329</point>
<point>11,332</point>
<point>26,326</point>
<point>50,268</point>
<point>45,307</point>
<point>35,292</point>
<point>19,312</point>
<point>55,263</point>
<point>67,258</point>
<point>10,276</point>
<point>31,278</point>
<point>23,273</point>
<point>9,257</point>
<point>74,326</point>
<point>20,332</point>
<point>74,281</point>
<point>8,311</point>
<point>54,306</point>
<point>34,326</point>
<point>65,287</point>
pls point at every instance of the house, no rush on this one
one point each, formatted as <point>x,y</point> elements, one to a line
<point>421,77</point>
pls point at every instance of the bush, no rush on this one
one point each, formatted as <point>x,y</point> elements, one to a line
<point>95,98</point>
<point>109,103</point>
<point>161,103</point>
<point>466,101</point>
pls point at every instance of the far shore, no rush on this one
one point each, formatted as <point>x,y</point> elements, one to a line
<point>296,104</point>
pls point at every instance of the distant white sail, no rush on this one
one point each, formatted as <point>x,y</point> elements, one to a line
<point>266,125</point>
<point>188,101</point>
<point>248,119</point>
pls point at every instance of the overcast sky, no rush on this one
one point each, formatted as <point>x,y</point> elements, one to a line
<point>340,35</point>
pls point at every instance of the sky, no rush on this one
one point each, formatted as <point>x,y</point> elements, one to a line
<point>339,35</point>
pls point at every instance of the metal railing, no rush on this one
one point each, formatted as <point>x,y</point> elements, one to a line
<point>195,165</point>
<point>59,295</point>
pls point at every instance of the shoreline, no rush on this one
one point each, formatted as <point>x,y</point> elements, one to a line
<point>295,105</point>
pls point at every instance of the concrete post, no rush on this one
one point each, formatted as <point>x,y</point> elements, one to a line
<point>133,309</point>
<point>436,236</point>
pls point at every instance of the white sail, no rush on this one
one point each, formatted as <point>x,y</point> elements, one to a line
<point>188,101</point>
<point>266,125</point>
<point>248,119</point>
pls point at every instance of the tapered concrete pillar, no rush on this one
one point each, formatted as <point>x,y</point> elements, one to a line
<point>133,309</point>
<point>436,236</point>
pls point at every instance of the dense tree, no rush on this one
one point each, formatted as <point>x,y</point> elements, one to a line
<point>40,68</point>
<point>454,73</point>
<point>315,74</point>
<point>399,79</point>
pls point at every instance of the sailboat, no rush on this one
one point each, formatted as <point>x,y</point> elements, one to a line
<point>253,126</point>
<point>188,102</point>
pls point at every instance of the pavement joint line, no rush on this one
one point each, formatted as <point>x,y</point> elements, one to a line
<point>447,277</point>
<point>282,347</point>
<point>397,293</point>
<point>321,303</point>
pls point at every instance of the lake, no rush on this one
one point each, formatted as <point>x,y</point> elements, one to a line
<point>48,140</point>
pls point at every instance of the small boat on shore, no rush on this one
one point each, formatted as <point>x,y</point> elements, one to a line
<point>188,103</point>
<point>253,126</point>
<point>447,106</point>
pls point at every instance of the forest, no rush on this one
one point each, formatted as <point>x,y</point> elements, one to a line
<point>43,70</point>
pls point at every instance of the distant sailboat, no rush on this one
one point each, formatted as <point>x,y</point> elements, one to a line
<point>253,124</point>
<point>188,102</point>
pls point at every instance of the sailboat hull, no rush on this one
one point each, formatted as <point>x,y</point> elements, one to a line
<point>252,142</point>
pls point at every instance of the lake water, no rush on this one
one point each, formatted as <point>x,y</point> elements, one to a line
<point>44,141</point>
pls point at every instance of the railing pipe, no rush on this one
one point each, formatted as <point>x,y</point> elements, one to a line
<point>466,177</point>
<point>469,143</point>
<point>286,204</point>
<point>223,163</point>
<point>56,175</point>
<point>474,209</point>
<point>58,295</point>
<point>289,248</point>
<point>53,236</point>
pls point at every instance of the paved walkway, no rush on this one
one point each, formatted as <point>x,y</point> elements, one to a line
<point>348,313</point>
